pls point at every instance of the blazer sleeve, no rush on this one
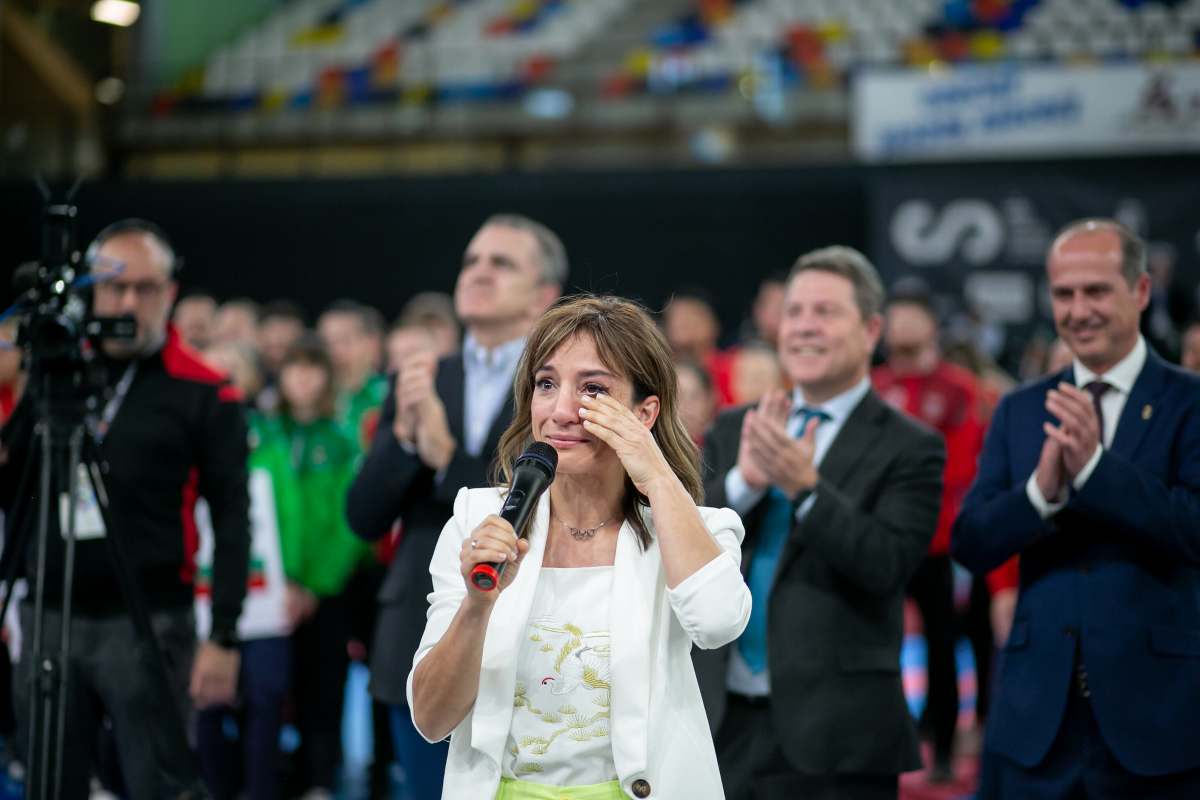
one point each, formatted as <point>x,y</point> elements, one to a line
<point>376,497</point>
<point>448,588</point>
<point>879,551</point>
<point>1131,499</point>
<point>713,603</point>
<point>996,520</point>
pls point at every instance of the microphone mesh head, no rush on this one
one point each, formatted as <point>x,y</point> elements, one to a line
<point>541,454</point>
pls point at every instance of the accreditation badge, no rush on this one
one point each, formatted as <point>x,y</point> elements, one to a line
<point>89,523</point>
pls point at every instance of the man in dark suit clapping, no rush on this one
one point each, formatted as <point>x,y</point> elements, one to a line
<point>840,496</point>
<point>1093,476</point>
<point>438,432</point>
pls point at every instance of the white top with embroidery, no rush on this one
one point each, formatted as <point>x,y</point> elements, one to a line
<point>560,724</point>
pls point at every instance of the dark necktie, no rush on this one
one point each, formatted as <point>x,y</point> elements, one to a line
<point>1097,390</point>
<point>807,414</point>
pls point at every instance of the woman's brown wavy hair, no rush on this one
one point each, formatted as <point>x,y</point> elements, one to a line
<point>632,346</point>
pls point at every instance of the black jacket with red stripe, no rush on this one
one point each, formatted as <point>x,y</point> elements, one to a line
<point>180,433</point>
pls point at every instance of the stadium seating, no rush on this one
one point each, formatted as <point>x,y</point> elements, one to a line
<point>345,53</point>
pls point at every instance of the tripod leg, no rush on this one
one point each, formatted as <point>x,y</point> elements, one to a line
<point>64,648</point>
<point>49,671</point>
<point>45,669</point>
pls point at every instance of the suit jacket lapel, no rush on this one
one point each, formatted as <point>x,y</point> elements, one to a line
<point>492,716</point>
<point>1138,415</point>
<point>855,439</point>
<point>499,425</point>
<point>635,583</point>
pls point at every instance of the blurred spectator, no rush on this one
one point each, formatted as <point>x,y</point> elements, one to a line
<point>241,365</point>
<point>765,313</point>
<point>280,326</point>
<point>987,336</point>
<point>692,330</point>
<point>347,328</point>
<point>195,317</point>
<point>433,311</point>
<point>991,381</point>
<point>375,328</point>
<point>237,321</point>
<point>994,598</point>
<point>697,399</point>
<point>1170,304</point>
<point>1190,356</point>
<point>12,378</point>
<point>12,382</point>
<point>1058,358</point>
<point>238,745</point>
<point>311,461</point>
<point>405,340</point>
<point>916,379</point>
<point>755,371</point>
<point>1033,358</point>
<point>691,325</point>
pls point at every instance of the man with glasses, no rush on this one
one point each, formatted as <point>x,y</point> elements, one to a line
<point>171,429</point>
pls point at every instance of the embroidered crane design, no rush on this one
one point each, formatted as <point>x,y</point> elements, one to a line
<point>579,671</point>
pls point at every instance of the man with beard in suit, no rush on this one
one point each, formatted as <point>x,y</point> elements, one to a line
<point>437,433</point>
<point>840,494</point>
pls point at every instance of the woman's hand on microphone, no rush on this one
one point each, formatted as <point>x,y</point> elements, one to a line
<point>492,542</point>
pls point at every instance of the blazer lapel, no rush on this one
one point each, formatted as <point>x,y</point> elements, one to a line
<point>492,716</point>
<point>499,425</point>
<point>450,380</point>
<point>1138,413</point>
<point>856,438</point>
<point>635,583</point>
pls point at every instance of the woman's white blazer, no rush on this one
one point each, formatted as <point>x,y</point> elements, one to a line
<point>660,734</point>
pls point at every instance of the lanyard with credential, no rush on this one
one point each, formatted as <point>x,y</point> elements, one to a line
<point>114,403</point>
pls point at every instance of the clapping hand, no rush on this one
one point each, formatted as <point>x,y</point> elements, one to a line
<point>420,415</point>
<point>1078,431</point>
<point>770,454</point>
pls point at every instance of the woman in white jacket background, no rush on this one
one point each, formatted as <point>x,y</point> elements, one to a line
<point>574,680</point>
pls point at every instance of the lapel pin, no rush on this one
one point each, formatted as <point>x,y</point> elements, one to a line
<point>1147,411</point>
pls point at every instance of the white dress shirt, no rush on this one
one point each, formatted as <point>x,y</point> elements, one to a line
<point>487,382</point>
<point>1120,380</point>
<point>742,497</point>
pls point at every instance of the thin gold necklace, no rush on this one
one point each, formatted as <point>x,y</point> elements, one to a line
<point>581,534</point>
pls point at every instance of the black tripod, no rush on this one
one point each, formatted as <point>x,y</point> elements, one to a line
<point>62,441</point>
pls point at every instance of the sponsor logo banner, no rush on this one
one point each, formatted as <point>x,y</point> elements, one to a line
<point>1018,110</point>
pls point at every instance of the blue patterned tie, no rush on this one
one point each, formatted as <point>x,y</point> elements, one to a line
<point>773,534</point>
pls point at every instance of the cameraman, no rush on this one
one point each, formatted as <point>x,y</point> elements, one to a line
<point>171,429</point>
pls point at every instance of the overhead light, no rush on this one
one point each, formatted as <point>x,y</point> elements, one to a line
<point>116,12</point>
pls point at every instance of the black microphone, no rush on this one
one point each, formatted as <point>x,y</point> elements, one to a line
<point>533,472</point>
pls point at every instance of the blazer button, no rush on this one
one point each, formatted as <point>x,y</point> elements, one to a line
<point>641,788</point>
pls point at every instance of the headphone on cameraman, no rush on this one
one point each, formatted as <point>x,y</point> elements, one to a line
<point>135,225</point>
